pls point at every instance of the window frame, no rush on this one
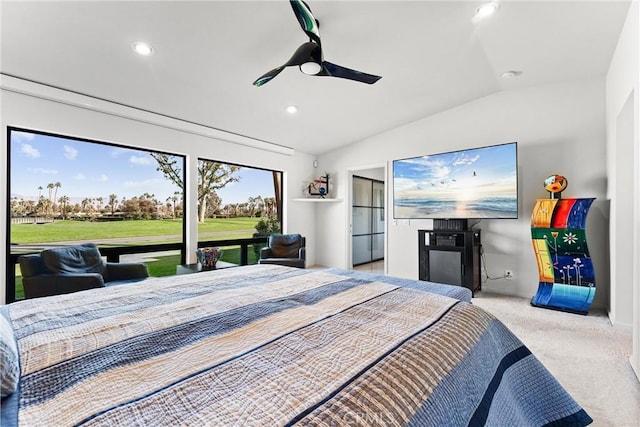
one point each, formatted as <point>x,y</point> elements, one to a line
<point>10,265</point>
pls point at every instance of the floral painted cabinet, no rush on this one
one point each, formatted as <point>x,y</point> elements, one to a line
<point>567,278</point>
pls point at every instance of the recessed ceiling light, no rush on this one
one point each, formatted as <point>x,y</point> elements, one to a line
<point>511,74</point>
<point>142,48</point>
<point>292,109</point>
<point>485,10</point>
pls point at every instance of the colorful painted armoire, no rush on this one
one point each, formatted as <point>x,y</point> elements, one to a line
<point>567,278</point>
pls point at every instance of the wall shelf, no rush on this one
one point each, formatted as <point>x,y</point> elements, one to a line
<point>317,200</point>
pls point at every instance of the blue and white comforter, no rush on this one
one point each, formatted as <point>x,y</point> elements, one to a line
<point>267,346</point>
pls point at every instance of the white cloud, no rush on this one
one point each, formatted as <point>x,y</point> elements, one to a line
<point>117,151</point>
<point>22,136</point>
<point>465,160</point>
<point>140,160</point>
<point>79,177</point>
<point>30,151</point>
<point>43,171</point>
<point>70,152</point>
<point>102,178</point>
<point>145,183</point>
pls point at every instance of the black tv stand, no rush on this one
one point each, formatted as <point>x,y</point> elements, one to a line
<point>451,257</point>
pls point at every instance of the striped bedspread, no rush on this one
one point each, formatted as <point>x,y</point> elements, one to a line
<point>268,346</point>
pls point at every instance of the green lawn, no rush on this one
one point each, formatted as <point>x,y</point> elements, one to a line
<point>159,231</point>
<point>156,231</point>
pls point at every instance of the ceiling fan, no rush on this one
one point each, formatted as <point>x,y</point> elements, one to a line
<point>308,57</point>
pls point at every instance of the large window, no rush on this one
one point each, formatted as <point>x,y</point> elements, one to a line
<point>65,190</point>
<point>238,202</point>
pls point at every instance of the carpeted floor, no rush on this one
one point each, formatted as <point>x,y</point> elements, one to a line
<point>585,353</point>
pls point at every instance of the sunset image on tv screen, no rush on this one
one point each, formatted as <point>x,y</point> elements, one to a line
<point>475,183</point>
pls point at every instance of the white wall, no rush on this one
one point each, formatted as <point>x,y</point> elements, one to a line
<point>623,152</point>
<point>559,128</point>
<point>372,173</point>
<point>50,116</point>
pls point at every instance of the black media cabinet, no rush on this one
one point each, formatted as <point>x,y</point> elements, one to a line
<point>451,257</point>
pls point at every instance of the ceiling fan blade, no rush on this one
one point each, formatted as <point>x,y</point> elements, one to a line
<point>309,55</point>
<point>306,19</point>
<point>303,53</point>
<point>266,77</point>
<point>333,70</point>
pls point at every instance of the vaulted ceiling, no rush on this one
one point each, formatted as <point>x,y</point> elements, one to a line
<point>430,54</point>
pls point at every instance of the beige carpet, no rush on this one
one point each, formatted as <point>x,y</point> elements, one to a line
<point>585,353</point>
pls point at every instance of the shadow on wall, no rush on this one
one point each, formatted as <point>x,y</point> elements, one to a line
<point>598,231</point>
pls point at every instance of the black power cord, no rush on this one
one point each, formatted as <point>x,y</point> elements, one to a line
<point>484,267</point>
<point>474,224</point>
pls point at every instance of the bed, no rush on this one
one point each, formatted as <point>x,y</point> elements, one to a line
<point>268,345</point>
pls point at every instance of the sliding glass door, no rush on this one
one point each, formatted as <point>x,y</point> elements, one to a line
<point>368,220</point>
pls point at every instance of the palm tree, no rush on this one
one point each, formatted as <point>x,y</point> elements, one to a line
<point>86,203</point>
<point>44,206</point>
<point>251,204</point>
<point>177,203</point>
<point>113,199</point>
<point>260,205</point>
<point>55,191</point>
<point>39,192</point>
<point>100,200</point>
<point>171,202</point>
<point>40,206</point>
<point>270,205</point>
<point>30,206</point>
<point>50,187</point>
<point>64,200</point>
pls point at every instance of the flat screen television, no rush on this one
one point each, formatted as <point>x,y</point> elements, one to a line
<point>476,183</point>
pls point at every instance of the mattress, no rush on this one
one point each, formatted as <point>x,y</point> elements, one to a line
<point>266,345</point>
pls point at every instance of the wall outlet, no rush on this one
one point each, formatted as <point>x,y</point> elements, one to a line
<point>508,274</point>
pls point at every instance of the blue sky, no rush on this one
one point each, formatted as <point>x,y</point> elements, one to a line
<point>480,172</point>
<point>98,170</point>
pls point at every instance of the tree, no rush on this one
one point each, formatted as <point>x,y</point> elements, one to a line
<point>213,204</point>
<point>251,206</point>
<point>271,206</point>
<point>259,201</point>
<point>143,207</point>
<point>50,187</point>
<point>212,176</point>
<point>86,205</point>
<point>176,196</point>
<point>113,201</point>
<point>40,206</point>
<point>265,227</point>
<point>30,206</point>
<point>255,206</point>
<point>55,191</point>
<point>18,207</point>
<point>170,208</point>
<point>64,200</point>
<point>44,206</point>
